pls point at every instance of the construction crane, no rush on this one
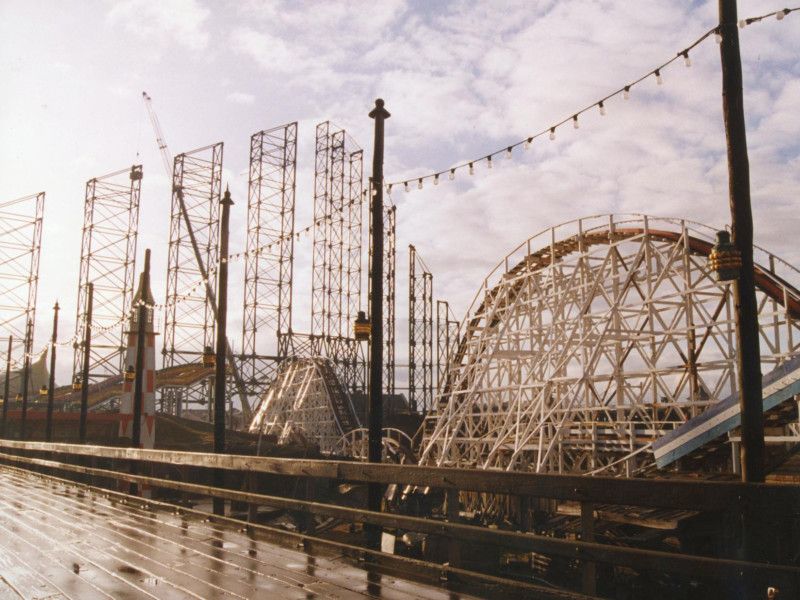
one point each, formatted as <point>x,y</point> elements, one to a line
<point>166,157</point>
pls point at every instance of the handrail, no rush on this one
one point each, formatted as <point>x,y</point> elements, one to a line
<point>686,564</point>
<point>660,493</point>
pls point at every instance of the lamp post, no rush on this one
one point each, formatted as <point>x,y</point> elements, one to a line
<point>48,428</point>
<point>26,374</point>
<point>379,114</point>
<point>220,374</point>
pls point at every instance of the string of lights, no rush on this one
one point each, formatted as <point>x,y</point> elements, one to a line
<point>574,116</point>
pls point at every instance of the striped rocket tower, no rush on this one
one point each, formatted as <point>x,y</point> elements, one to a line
<point>148,430</point>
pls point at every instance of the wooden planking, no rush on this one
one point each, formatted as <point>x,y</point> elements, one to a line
<point>405,570</point>
<point>673,493</point>
<point>692,565</point>
<point>177,555</point>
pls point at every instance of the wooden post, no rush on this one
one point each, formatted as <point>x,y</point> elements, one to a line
<point>453,546</point>
<point>6,386</point>
<point>87,348</point>
<point>48,428</point>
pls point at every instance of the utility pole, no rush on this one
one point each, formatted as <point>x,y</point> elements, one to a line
<point>748,352</point>
<point>5,387</point>
<point>48,428</point>
<point>26,374</point>
<point>379,114</point>
<point>87,348</point>
<point>222,345</point>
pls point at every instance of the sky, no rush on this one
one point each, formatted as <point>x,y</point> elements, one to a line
<point>461,79</point>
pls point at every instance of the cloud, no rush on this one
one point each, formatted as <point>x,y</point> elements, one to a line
<point>182,21</point>
<point>240,98</point>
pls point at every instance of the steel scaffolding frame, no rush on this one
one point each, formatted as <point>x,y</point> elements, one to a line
<point>320,250</point>
<point>447,337</point>
<point>420,333</point>
<point>20,250</point>
<point>270,253</point>
<point>592,340</point>
<point>108,260</point>
<point>336,236</point>
<point>389,290</point>
<point>189,325</point>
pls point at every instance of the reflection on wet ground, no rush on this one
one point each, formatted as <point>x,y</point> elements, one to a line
<point>61,540</point>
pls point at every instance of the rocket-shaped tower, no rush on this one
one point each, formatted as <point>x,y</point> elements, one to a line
<point>148,430</point>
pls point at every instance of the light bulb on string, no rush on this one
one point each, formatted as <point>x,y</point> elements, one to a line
<point>718,37</point>
<point>471,169</point>
<point>389,189</point>
<point>657,73</point>
<point>552,133</point>
<point>626,92</point>
<point>489,162</point>
<point>742,24</point>
<point>575,124</point>
<point>602,108</point>
<point>405,185</point>
<point>508,152</point>
<point>452,174</point>
<point>686,60</point>
<point>419,184</point>
<point>781,13</point>
<point>436,179</point>
<point>527,144</point>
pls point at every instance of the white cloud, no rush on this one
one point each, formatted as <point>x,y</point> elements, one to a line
<point>182,21</point>
<point>240,98</point>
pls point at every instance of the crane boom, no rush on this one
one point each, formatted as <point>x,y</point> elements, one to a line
<point>166,157</point>
<point>210,295</point>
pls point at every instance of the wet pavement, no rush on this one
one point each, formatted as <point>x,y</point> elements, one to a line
<point>60,540</point>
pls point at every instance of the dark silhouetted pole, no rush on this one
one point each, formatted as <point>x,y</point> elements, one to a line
<point>379,114</point>
<point>87,347</point>
<point>748,354</point>
<point>26,375</point>
<point>138,382</point>
<point>6,385</point>
<point>219,374</point>
<point>51,385</point>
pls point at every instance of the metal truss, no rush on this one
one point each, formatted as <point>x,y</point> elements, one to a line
<point>108,259</point>
<point>389,289</point>
<point>189,324</point>
<point>353,245</point>
<point>420,333</point>
<point>593,339</point>
<point>270,252</point>
<point>306,403</point>
<point>20,249</point>
<point>447,336</point>
<point>320,252</point>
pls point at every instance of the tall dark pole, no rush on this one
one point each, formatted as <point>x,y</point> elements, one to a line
<point>138,382</point>
<point>379,114</point>
<point>51,384</point>
<point>748,354</point>
<point>6,385</point>
<point>87,347</point>
<point>219,374</point>
<point>26,375</point>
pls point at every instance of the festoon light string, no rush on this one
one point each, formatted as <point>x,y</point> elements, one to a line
<point>574,116</point>
<point>526,143</point>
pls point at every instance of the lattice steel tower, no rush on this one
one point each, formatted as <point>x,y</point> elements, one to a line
<point>20,248</point>
<point>420,333</point>
<point>108,257</point>
<point>270,252</point>
<point>189,324</point>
